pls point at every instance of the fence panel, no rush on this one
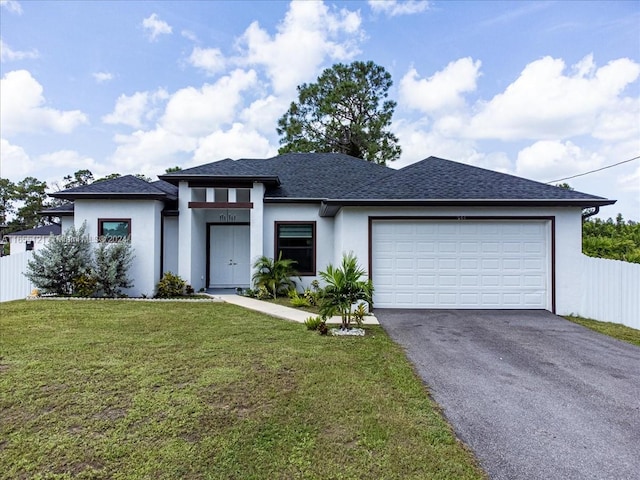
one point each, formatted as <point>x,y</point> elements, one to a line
<point>13,284</point>
<point>611,291</point>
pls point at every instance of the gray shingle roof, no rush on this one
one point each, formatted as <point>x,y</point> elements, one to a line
<point>299,175</point>
<point>60,210</point>
<point>45,230</point>
<point>338,179</point>
<point>127,186</point>
<point>438,179</point>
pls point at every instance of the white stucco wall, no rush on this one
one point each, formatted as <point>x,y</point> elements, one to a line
<point>170,245</point>
<point>301,213</point>
<point>145,235</point>
<point>66,222</point>
<point>351,235</point>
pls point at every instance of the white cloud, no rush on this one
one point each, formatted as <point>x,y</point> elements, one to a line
<point>102,77</point>
<point>544,102</point>
<point>443,90</point>
<point>199,111</point>
<point>309,33</point>
<point>132,110</point>
<point>631,181</point>
<point>548,160</point>
<point>8,54</point>
<point>12,6</point>
<point>419,142</point>
<point>23,107</point>
<point>66,158</point>
<point>189,35</point>
<point>237,142</point>
<point>263,114</point>
<point>15,163</point>
<point>155,27</point>
<point>142,151</point>
<point>210,60</point>
<point>393,8</point>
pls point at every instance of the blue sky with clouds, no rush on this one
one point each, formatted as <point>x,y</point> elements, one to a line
<point>544,90</point>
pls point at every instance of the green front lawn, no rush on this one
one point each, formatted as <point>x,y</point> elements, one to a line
<point>117,389</point>
<point>615,330</point>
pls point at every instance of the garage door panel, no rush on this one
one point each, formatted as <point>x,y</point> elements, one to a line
<point>405,264</point>
<point>512,281</point>
<point>461,264</point>
<point>469,247</point>
<point>470,299</point>
<point>469,281</point>
<point>426,263</point>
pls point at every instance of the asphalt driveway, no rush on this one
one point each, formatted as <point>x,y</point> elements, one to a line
<point>533,395</point>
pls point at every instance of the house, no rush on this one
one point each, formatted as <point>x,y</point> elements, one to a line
<point>434,234</point>
<point>31,239</point>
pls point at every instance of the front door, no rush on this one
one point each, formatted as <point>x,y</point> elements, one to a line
<point>229,264</point>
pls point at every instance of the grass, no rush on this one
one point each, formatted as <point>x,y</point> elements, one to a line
<point>129,390</point>
<point>615,330</point>
<point>286,302</point>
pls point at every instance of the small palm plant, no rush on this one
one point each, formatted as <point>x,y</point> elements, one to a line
<point>345,287</point>
<point>274,275</point>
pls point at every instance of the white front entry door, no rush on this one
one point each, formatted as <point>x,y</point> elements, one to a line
<point>229,264</point>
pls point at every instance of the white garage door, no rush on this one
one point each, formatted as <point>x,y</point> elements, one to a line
<point>461,264</point>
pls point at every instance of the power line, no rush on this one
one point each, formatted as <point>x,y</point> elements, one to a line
<point>596,170</point>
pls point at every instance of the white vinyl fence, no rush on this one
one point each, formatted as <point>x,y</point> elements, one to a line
<point>13,284</point>
<point>610,291</point>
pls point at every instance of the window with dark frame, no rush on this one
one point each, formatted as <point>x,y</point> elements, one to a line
<point>297,241</point>
<point>30,245</point>
<point>114,229</point>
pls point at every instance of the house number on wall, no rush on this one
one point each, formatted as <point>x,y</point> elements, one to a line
<point>227,218</point>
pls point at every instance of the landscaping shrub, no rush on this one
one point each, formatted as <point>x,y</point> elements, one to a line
<point>112,264</point>
<point>297,300</point>
<point>56,268</point>
<point>313,323</point>
<point>274,275</point>
<point>85,286</point>
<point>345,287</point>
<point>170,285</point>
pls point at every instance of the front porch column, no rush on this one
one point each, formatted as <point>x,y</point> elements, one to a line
<point>184,232</point>
<point>256,227</point>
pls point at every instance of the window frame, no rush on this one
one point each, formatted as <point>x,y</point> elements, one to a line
<point>276,244</point>
<point>104,238</point>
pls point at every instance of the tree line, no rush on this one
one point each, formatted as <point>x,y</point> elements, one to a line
<point>614,239</point>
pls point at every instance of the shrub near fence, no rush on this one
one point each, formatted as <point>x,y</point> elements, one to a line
<point>13,284</point>
<point>610,291</point>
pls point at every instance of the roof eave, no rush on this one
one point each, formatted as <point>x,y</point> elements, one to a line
<point>112,196</point>
<point>330,208</point>
<point>266,179</point>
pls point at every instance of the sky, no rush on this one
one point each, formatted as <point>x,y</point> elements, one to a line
<point>542,90</point>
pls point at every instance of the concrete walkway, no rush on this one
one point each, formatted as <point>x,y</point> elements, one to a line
<point>280,311</point>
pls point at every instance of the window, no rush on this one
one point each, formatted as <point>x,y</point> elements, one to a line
<point>297,241</point>
<point>29,245</point>
<point>114,229</point>
<point>243,195</point>
<point>220,195</point>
